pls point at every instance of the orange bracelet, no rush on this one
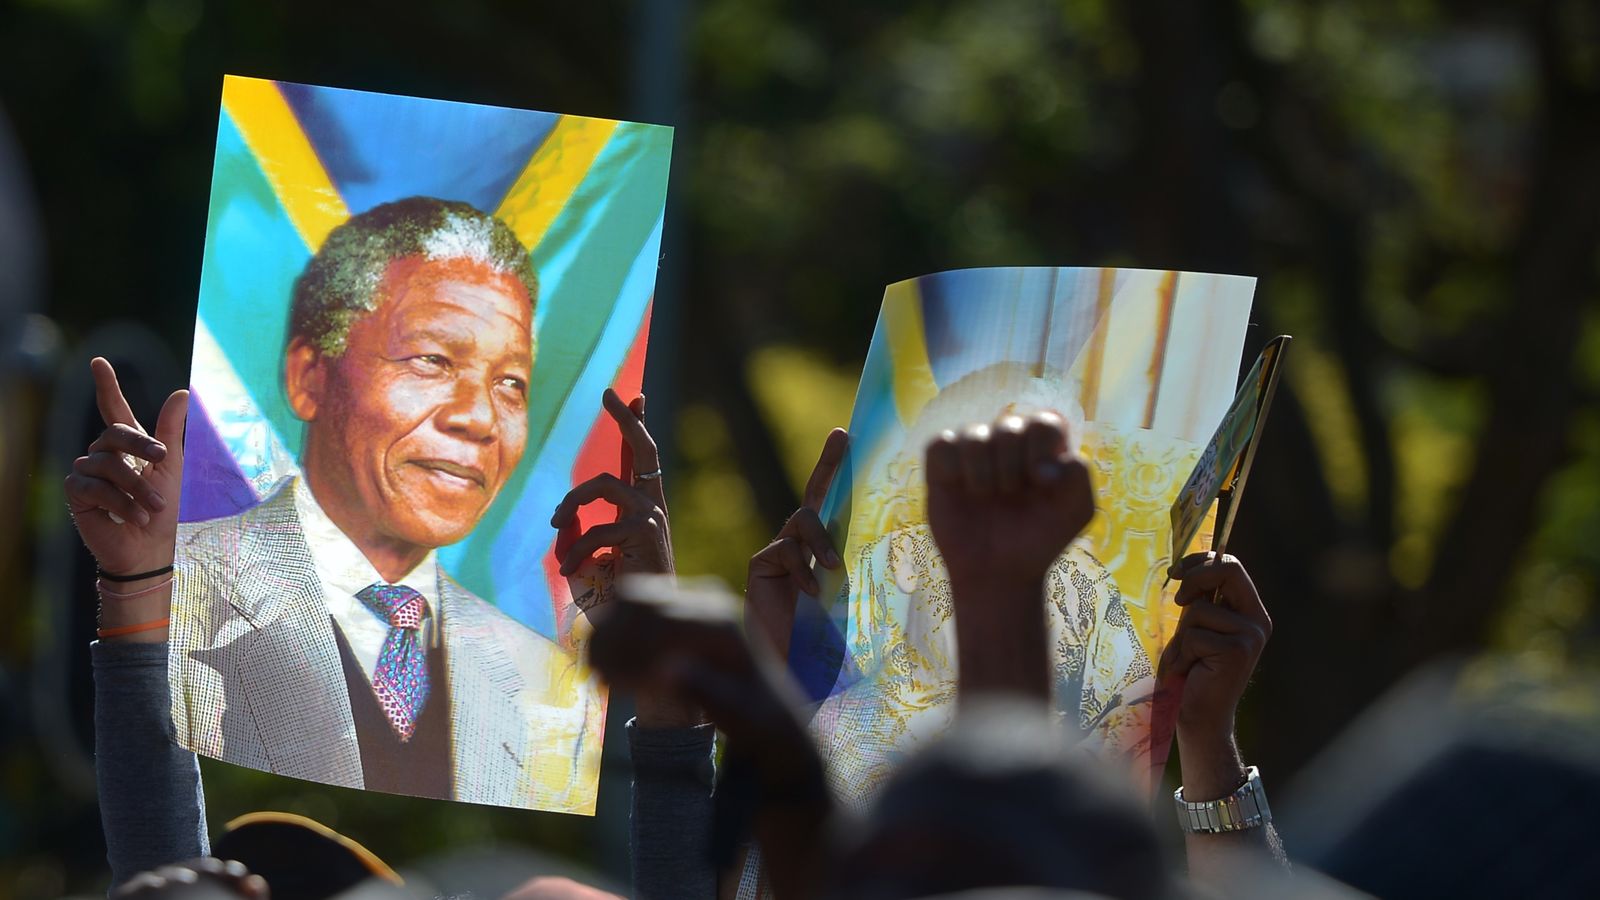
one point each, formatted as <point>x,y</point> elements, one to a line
<point>121,630</point>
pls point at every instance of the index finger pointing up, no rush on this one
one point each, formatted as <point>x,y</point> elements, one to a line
<point>641,445</point>
<point>827,464</point>
<point>114,407</point>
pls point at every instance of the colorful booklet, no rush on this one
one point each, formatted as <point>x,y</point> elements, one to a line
<point>408,312</point>
<point>1225,466</point>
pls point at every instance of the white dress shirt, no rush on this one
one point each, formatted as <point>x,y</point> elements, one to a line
<point>345,571</point>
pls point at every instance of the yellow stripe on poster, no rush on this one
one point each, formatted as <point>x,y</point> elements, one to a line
<point>273,134</point>
<point>1095,358</point>
<point>552,176</point>
<point>1165,293</point>
<point>914,386</point>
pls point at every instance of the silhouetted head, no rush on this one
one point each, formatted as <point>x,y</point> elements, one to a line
<point>1003,801</point>
<point>301,859</point>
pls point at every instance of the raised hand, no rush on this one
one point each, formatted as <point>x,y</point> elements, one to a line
<point>1005,500</point>
<point>1219,639</point>
<point>131,475</point>
<point>639,538</point>
<point>686,640</point>
<point>783,568</point>
<point>1208,663</point>
<point>639,541</point>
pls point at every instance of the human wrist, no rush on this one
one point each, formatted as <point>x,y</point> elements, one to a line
<point>655,713</point>
<point>1000,644</point>
<point>1205,731</point>
<point>152,565</point>
<point>138,589</point>
<point>1210,765</point>
<point>995,604</point>
<point>664,751</point>
<point>146,606</point>
<point>991,580</point>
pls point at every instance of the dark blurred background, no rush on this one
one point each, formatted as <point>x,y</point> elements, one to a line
<point>1415,183</point>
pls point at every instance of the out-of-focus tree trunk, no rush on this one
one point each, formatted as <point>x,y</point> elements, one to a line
<point>1345,628</point>
<point>1531,358</point>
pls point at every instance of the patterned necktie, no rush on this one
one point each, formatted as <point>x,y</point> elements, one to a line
<point>401,677</point>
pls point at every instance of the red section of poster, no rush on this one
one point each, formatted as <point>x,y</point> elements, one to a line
<point>602,452</point>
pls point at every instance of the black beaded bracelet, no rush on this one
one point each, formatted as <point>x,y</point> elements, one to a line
<point>107,576</point>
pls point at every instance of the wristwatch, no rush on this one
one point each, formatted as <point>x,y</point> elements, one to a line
<point>1244,808</point>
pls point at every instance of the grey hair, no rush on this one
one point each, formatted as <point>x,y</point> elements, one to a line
<point>340,283</point>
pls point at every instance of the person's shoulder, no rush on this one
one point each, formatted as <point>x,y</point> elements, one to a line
<point>208,543</point>
<point>276,503</point>
<point>208,531</point>
<point>217,542</point>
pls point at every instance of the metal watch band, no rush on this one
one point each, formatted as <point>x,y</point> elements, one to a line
<point>1242,809</point>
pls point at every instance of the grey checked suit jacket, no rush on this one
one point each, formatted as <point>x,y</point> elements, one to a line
<point>257,678</point>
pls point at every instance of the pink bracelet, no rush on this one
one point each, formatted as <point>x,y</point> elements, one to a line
<point>115,595</point>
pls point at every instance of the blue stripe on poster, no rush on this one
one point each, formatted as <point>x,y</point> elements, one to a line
<point>253,255</point>
<point>453,151</point>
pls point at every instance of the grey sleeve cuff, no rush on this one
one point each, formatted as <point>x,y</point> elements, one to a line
<point>129,654</point>
<point>152,807</point>
<point>683,752</point>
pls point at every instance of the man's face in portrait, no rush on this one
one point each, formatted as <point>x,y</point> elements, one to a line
<point>426,408</point>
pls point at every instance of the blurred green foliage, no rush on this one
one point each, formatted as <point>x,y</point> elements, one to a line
<point>1413,182</point>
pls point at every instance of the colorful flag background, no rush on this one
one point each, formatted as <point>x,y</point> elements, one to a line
<point>586,195</point>
<point>1143,364</point>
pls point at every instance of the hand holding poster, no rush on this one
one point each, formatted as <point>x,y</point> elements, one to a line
<point>1140,364</point>
<point>408,312</point>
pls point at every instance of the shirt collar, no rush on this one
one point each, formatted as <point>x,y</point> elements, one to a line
<point>342,565</point>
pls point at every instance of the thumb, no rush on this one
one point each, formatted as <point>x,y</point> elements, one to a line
<point>170,426</point>
<point>1066,481</point>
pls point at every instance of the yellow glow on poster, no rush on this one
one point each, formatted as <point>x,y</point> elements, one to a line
<point>552,175</point>
<point>269,127</point>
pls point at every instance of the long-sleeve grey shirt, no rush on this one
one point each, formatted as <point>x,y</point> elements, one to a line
<point>152,808</point>
<point>673,775</point>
